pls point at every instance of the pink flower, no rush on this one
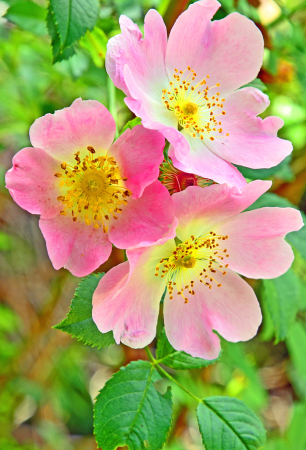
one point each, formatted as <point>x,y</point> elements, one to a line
<point>186,88</point>
<point>176,180</point>
<point>203,290</point>
<point>89,192</point>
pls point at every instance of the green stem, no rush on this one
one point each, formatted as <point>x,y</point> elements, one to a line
<point>112,102</point>
<point>149,355</point>
<point>167,375</point>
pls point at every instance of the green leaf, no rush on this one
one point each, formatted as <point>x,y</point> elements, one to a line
<point>296,344</point>
<point>167,355</point>
<point>257,83</point>
<point>6,242</point>
<point>73,18</point>
<point>277,444</point>
<point>270,199</point>
<point>130,411</point>
<point>296,433</point>
<point>58,53</point>
<point>298,238</point>
<point>228,424</point>
<point>299,267</point>
<point>282,296</point>
<point>235,358</point>
<point>28,16</point>
<point>282,171</point>
<point>79,323</point>
<point>131,124</point>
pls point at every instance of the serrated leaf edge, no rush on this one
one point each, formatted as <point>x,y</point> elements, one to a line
<point>57,327</point>
<point>54,58</point>
<point>149,380</point>
<point>209,362</point>
<point>63,44</point>
<point>226,422</point>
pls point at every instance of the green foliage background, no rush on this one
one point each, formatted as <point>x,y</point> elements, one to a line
<point>47,380</point>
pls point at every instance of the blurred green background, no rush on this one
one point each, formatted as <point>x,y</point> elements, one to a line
<point>47,380</point>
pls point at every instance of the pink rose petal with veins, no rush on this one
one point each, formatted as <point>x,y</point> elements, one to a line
<point>188,88</point>
<point>91,193</point>
<point>200,271</point>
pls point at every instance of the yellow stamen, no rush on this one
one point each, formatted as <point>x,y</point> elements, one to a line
<point>197,258</point>
<point>89,187</point>
<point>193,105</point>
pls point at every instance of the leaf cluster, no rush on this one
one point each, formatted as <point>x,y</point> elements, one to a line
<point>130,411</point>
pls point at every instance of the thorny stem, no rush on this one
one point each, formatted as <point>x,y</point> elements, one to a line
<point>167,375</point>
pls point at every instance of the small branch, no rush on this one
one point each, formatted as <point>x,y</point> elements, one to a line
<point>149,355</point>
<point>167,375</point>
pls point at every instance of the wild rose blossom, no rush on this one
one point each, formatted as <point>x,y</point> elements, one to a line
<point>89,192</point>
<point>198,270</point>
<point>188,89</point>
<point>176,180</point>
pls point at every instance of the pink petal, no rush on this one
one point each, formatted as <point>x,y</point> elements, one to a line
<point>179,148</point>
<point>153,253</point>
<point>188,154</point>
<point>230,50</point>
<point>127,301</point>
<point>138,153</point>
<point>188,328</point>
<point>256,245</point>
<point>145,57</point>
<point>201,161</point>
<point>84,123</point>
<point>147,110</point>
<point>199,209</point>
<point>151,110</point>
<point>252,141</point>
<point>74,245</point>
<point>32,183</point>
<point>231,309</point>
<point>144,220</point>
<point>190,36</point>
<point>153,114</point>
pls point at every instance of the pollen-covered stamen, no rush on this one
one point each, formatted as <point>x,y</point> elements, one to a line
<point>197,258</point>
<point>196,109</point>
<point>176,180</point>
<point>92,189</point>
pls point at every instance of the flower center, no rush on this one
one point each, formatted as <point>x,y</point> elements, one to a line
<point>190,108</point>
<point>94,182</point>
<point>187,261</point>
<point>194,107</point>
<point>92,189</point>
<point>197,258</point>
<point>176,180</point>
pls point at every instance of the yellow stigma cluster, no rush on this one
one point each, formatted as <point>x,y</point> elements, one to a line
<point>92,189</point>
<point>192,104</point>
<point>197,258</point>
